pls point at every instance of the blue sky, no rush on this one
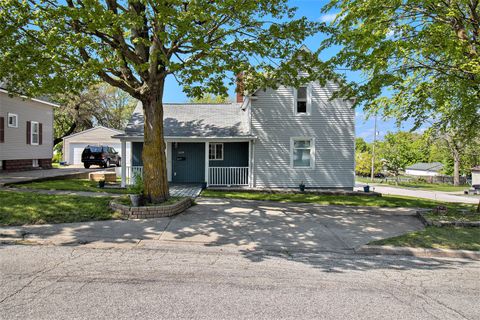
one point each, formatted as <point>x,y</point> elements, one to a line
<point>310,9</point>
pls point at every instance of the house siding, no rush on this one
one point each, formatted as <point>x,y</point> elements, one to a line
<point>15,146</point>
<point>330,124</point>
<point>235,154</point>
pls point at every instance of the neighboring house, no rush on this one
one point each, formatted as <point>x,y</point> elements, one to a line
<point>425,169</point>
<point>26,132</point>
<point>274,138</point>
<point>476,175</point>
<point>74,144</point>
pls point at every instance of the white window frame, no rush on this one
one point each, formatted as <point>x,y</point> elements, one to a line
<point>214,145</point>
<point>309,101</point>
<point>312,152</point>
<point>33,133</point>
<point>15,116</point>
<point>35,163</point>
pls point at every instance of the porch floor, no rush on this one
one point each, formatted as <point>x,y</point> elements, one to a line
<point>185,190</point>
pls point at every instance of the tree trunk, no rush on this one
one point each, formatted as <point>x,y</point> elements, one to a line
<point>154,159</point>
<point>456,168</point>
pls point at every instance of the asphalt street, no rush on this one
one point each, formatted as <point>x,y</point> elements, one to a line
<point>181,281</point>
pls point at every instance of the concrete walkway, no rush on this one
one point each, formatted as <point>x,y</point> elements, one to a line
<point>239,223</point>
<point>425,194</point>
<point>44,174</point>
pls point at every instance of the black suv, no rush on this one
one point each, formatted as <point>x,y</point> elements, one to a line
<point>103,156</point>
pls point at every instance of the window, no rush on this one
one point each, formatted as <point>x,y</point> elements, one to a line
<point>215,151</point>
<point>35,163</point>
<point>302,152</point>
<point>34,132</point>
<point>302,100</point>
<point>12,120</point>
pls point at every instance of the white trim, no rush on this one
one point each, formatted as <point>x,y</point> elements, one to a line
<point>207,163</point>
<point>312,152</point>
<point>13,115</point>
<point>215,144</point>
<point>31,133</point>
<point>35,163</point>
<point>123,169</point>
<point>191,139</point>
<point>308,102</point>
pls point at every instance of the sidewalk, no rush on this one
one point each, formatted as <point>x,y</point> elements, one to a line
<point>432,195</point>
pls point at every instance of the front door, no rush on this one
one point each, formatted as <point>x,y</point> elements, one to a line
<point>188,162</point>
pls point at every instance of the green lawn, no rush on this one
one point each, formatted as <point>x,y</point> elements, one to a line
<point>18,208</point>
<point>452,216</point>
<point>360,200</point>
<point>416,185</point>
<point>70,184</point>
<point>440,238</point>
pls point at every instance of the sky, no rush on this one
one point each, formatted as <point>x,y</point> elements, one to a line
<point>364,127</point>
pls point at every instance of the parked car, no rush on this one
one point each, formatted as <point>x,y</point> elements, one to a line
<point>103,156</point>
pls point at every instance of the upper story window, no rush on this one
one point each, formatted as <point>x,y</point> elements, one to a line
<point>303,100</point>
<point>215,151</point>
<point>12,120</point>
<point>34,132</point>
<point>302,152</point>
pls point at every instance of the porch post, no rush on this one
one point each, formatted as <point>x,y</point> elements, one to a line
<point>124,163</point>
<point>207,164</point>
<point>249,163</point>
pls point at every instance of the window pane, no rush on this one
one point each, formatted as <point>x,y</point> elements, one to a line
<point>301,157</point>
<point>301,144</point>
<point>211,153</point>
<point>302,93</point>
<point>219,151</point>
<point>301,107</point>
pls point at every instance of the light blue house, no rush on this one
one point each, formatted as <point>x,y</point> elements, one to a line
<point>274,138</point>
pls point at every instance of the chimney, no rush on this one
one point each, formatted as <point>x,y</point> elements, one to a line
<point>240,88</point>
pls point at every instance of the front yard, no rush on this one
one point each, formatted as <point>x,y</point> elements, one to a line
<point>70,185</point>
<point>415,185</point>
<point>18,208</point>
<point>438,238</point>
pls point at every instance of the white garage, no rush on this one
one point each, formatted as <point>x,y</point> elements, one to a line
<point>74,144</point>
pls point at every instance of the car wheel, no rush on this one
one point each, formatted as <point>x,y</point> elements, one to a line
<point>86,165</point>
<point>107,164</point>
<point>119,163</point>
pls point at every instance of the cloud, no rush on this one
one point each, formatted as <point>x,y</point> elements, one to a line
<point>328,17</point>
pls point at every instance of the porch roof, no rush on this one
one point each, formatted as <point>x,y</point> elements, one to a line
<point>191,120</point>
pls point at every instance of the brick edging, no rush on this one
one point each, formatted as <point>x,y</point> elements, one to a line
<point>151,211</point>
<point>417,252</point>
<point>428,222</point>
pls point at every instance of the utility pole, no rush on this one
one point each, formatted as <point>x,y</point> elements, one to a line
<point>373,148</point>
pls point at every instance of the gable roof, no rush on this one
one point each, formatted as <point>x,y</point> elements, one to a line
<point>432,166</point>
<point>195,120</point>
<point>477,168</point>
<point>114,131</point>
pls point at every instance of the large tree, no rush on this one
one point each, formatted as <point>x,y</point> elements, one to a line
<point>135,45</point>
<point>419,58</point>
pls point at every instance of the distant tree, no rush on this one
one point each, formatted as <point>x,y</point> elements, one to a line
<point>361,145</point>
<point>209,98</point>
<point>363,164</point>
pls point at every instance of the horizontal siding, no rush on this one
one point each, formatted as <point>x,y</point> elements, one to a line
<point>235,154</point>
<point>331,124</point>
<point>15,145</point>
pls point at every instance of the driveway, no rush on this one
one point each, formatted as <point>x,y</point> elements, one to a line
<point>242,224</point>
<point>425,194</point>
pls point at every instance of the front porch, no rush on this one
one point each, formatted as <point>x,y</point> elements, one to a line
<point>216,163</point>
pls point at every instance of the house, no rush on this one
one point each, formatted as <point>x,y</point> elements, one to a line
<point>476,176</point>
<point>26,132</point>
<point>424,169</point>
<point>74,144</point>
<point>273,138</point>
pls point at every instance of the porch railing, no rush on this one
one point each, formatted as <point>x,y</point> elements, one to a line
<point>228,176</point>
<point>132,172</point>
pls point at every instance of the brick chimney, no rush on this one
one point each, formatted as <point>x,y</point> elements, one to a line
<point>240,88</point>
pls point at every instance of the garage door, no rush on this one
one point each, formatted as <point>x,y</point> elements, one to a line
<point>76,150</point>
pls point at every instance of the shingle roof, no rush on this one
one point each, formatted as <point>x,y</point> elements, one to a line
<point>477,168</point>
<point>432,166</point>
<point>195,120</point>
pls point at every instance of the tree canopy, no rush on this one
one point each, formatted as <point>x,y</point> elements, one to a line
<point>419,58</point>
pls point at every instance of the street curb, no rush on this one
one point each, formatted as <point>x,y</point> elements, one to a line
<point>417,252</point>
